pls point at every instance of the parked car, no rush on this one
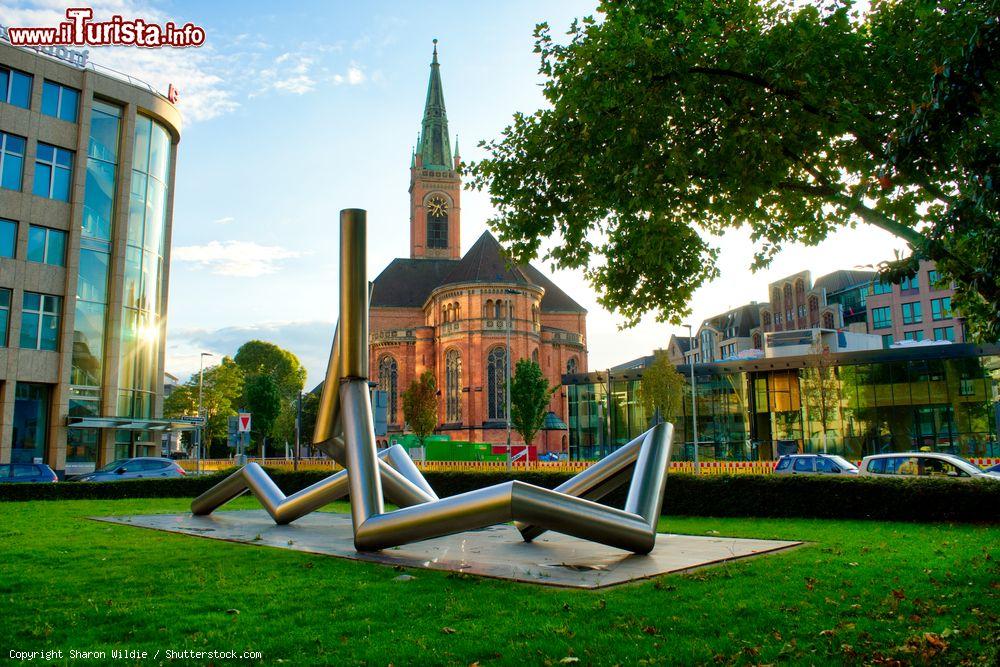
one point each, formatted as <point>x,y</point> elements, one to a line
<point>924,464</point>
<point>134,468</point>
<point>13,473</point>
<point>993,469</point>
<point>814,464</point>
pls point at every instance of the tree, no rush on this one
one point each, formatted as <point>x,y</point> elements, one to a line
<point>689,118</point>
<point>529,398</point>
<point>821,391</point>
<point>263,400</point>
<point>661,389</point>
<point>223,387</point>
<point>420,405</point>
<point>257,357</point>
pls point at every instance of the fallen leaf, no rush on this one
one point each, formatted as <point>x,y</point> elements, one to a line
<point>448,631</point>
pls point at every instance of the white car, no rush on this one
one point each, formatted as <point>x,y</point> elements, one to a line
<point>923,464</point>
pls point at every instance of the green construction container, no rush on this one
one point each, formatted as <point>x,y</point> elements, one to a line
<point>408,440</point>
<point>460,450</point>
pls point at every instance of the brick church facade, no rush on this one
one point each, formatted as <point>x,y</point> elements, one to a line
<point>441,311</point>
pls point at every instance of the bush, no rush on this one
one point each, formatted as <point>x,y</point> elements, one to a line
<point>780,496</point>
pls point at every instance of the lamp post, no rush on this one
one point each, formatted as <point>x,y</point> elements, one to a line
<point>201,425</point>
<point>298,431</point>
<point>510,323</point>
<point>694,404</point>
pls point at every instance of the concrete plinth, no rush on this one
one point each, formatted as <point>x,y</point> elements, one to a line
<point>498,551</point>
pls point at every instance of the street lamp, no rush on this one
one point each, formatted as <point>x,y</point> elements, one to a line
<point>694,405</point>
<point>510,323</point>
<point>201,426</point>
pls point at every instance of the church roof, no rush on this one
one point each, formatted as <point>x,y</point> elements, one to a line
<point>406,283</point>
<point>485,263</point>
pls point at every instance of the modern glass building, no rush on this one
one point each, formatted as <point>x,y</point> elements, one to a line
<point>943,398</point>
<point>86,171</point>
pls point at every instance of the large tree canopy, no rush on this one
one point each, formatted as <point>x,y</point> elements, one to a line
<point>669,122</point>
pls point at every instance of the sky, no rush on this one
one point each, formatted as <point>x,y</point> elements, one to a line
<point>295,110</point>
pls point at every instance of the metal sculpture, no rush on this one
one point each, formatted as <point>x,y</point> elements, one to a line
<point>345,431</point>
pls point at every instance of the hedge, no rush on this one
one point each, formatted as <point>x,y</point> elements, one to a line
<point>787,496</point>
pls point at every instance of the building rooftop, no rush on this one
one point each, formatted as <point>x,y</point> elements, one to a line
<point>843,279</point>
<point>407,283</point>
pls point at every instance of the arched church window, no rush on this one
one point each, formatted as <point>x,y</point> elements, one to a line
<point>828,320</point>
<point>456,312</point>
<point>388,381</point>
<point>453,386</point>
<point>496,379</point>
<point>757,343</point>
<point>571,366</point>
<point>437,222</point>
<point>488,309</point>
<point>534,355</point>
<point>498,310</point>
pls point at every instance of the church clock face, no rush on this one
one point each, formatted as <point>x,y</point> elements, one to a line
<point>437,206</point>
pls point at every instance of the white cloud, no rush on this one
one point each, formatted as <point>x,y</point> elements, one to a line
<point>289,73</point>
<point>244,259</point>
<point>355,75</point>
<point>228,220</point>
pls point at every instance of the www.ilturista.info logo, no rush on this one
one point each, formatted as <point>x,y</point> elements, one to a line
<point>82,30</point>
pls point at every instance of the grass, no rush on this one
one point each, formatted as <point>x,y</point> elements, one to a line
<point>859,592</point>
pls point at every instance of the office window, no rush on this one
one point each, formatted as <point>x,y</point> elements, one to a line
<point>944,333</point>
<point>8,237</point>
<point>60,101</point>
<point>11,160</point>
<point>912,313</point>
<point>879,287</point>
<point>53,172</point>
<point>46,246</point>
<point>881,317</point>
<point>15,87</point>
<point>914,335</point>
<point>887,340</point>
<point>40,321</point>
<point>941,308</point>
<point>4,315</point>
<point>933,279</point>
<point>910,284</point>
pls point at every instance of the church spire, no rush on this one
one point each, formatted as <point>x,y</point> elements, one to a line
<point>435,148</point>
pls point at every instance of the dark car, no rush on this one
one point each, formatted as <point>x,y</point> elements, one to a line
<point>995,469</point>
<point>134,468</point>
<point>13,473</point>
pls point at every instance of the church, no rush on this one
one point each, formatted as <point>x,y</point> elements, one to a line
<point>454,314</point>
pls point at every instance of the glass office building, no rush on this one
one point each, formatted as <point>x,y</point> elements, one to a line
<point>86,194</point>
<point>941,398</point>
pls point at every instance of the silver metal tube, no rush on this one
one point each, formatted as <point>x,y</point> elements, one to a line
<point>353,294</point>
<point>607,475</point>
<point>645,495</point>
<point>397,457</point>
<point>362,463</point>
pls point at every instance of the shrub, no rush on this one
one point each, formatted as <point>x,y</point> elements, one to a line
<point>787,496</point>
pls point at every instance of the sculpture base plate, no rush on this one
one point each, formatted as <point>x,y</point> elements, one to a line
<point>498,551</point>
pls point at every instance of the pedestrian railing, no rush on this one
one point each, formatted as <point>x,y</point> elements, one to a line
<point>704,467</point>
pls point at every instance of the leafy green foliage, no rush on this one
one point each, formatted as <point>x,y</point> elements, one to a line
<point>662,387</point>
<point>221,393</point>
<point>689,118</point>
<point>263,400</point>
<point>420,405</point>
<point>529,398</point>
<point>257,357</point>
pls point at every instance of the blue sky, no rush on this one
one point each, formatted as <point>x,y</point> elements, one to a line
<point>292,114</point>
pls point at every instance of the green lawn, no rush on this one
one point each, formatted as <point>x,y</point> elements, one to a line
<point>858,592</point>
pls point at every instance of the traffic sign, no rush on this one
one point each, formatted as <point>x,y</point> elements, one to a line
<point>244,425</point>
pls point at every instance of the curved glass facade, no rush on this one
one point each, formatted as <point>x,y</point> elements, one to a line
<point>142,297</point>
<point>946,400</point>
<point>88,366</point>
